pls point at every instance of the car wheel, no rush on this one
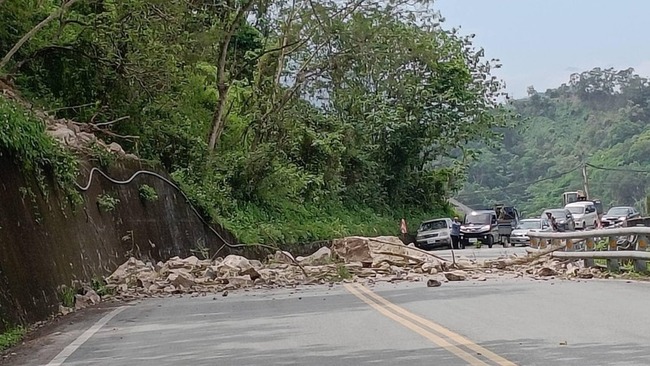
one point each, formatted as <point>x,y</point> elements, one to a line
<point>490,241</point>
<point>584,225</point>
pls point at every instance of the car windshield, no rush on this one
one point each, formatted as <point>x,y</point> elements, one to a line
<point>576,210</point>
<point>529,224</point>
<point>433,225</point>
<point>617,211</point>
<point>478,219</point>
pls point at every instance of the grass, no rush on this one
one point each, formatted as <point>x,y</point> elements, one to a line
<point>342,272</point>
<point>306,223</point>
<point>12,337</point>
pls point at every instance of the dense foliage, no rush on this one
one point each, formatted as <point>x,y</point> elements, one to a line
<point>285,121</point>
<point>600,117</point>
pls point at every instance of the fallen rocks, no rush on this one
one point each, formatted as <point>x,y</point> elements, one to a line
<point>350,259</point>
<point>320,257</point>
<point>545,272</point>
<point>457,275</point>
<point>433,283</point>
<point>88,299</point>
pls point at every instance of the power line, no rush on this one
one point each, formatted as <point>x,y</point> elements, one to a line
<point>527,183</point>
<point>618,169</point>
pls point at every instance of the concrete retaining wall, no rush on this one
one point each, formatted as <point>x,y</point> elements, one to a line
<point>45,244</point>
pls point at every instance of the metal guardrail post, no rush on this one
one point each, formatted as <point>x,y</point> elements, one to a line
<point>569,245</point>
<point>641,265</point>
<point>613,265</point>
<point>590,245</point>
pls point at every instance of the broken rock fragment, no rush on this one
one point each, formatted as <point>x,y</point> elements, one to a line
<point>457,275</point>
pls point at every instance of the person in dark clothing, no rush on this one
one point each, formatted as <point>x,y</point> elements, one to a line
<point>455,234</point>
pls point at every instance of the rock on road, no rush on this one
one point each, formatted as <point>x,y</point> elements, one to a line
<point>499,322</point>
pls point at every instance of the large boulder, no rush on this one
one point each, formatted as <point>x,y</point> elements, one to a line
<point>378,250</point>
<point>320,257</point>
<point>352,249</point>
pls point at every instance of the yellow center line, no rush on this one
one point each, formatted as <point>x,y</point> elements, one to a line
<point>439,328</point>
<point>417,329</point>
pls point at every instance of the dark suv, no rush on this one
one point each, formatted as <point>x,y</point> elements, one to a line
<point>480,226</point>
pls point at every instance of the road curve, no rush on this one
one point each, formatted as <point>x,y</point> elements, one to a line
<point>498,322</point>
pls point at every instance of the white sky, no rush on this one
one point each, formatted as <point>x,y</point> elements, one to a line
<point>542,42</point>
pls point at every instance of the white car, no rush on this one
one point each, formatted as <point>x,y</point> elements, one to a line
<point>584,213</point>
<point>519,235</point>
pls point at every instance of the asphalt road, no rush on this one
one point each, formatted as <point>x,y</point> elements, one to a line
<point>498,322</point>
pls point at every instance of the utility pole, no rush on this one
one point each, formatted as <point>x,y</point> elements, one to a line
<point>585,180</point>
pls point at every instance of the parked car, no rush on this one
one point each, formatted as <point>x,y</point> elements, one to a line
<point>619,215</point>
<point>480,226</point>
<point>434,234</point>
<point>563,217</point>
<point>584,213</point>
<point>519,235</point>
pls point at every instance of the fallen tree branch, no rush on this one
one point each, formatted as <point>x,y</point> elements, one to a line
<point>405,256</point>
<point>111,122</point>
<point>410,248</point>
<point>502,263</point>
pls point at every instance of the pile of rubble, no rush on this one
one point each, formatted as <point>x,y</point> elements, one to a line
<point>351,259</point>
<point>73,135</point>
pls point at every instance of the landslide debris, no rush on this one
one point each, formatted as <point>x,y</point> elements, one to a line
<point>350,259</point>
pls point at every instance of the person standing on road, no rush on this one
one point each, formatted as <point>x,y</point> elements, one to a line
<point>404,230</point>
<point>455,234</point>
<point>552,221</point>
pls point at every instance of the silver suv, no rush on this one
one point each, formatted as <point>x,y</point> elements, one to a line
<point>433,234</point>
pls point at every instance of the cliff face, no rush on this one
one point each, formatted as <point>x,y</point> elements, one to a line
<point>45,243</point>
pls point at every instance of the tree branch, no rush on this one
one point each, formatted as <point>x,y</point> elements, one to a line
<point>34,30</point>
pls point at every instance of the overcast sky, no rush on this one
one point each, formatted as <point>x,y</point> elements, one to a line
<point>542,42</point>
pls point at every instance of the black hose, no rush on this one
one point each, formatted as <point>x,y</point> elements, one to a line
<point>146,172</point>
<point>225,242</point>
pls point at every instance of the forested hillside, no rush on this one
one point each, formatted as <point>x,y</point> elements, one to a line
<point>284,121</point>
<point>600,117</point>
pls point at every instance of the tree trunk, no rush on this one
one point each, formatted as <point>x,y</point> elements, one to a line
<point>34,30</point>
<point>218,117</point>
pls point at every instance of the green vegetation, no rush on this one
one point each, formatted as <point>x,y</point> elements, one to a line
<point>106,202</point>
<point>67,296</point>
<point>343,272</point>
<point>11,337</point>
<point>600,117</point>
<point>282,126</point>
<point>98,284</point>
<point>23,138</point>
<point>147,193</point>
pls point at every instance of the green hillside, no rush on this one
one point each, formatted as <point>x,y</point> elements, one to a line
<point>599,118</point>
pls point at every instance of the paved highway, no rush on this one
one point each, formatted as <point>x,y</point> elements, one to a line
<point>499,322</point>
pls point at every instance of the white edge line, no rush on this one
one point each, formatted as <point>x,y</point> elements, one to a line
<point>59,359</point>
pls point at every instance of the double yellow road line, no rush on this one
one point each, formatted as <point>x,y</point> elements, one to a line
<point>460,346</point>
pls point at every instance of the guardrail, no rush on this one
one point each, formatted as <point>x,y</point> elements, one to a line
<point>628,243</point>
